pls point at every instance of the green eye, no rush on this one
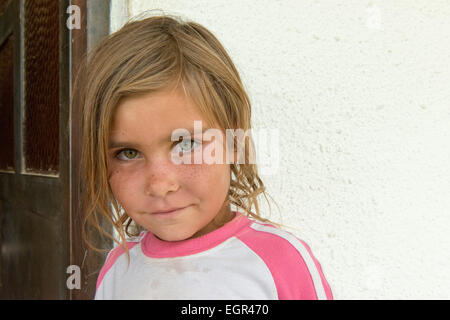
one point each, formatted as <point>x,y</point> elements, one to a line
<point>129,154</point>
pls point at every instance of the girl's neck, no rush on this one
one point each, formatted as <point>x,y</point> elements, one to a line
<point>223,217</point>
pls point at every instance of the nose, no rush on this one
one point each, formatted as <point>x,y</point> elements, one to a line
<point>160,180</point>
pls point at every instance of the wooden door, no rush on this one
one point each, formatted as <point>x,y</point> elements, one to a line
<point>40,223</point>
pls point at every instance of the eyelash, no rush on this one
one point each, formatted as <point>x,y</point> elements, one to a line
<point>118,152</point>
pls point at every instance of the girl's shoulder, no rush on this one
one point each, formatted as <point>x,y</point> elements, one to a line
<point>268,235</point>
<point>118,250</point>
<point>289,258</point>
<point>115,253</point>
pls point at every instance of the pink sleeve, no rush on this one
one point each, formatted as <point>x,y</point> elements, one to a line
<point>296,272</point>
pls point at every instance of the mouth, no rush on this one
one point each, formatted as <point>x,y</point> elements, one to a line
<point>169,213</point>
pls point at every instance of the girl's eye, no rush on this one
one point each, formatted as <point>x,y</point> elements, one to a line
<point>187,145</point>
<point>129,154</point>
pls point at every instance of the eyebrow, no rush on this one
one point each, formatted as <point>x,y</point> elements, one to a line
<point>120,144</point>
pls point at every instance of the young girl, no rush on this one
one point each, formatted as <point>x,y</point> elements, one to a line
<point>145,90</point>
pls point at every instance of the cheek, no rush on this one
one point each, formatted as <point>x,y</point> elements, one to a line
<point>207,180</point>
<point>123,185</point>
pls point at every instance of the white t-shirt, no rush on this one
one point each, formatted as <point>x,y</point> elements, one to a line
<point>244,259</point>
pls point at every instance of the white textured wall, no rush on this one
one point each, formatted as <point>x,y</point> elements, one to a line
<point>359,91</point>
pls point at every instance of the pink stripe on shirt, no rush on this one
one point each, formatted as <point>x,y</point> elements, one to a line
<point>288,268</point>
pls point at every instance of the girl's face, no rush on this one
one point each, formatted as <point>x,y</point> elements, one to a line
<point>144,178</point>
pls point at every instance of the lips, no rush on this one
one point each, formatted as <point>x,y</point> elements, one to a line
<point>166,211</point>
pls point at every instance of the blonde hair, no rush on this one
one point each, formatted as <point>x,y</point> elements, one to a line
<point>145,56</point>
